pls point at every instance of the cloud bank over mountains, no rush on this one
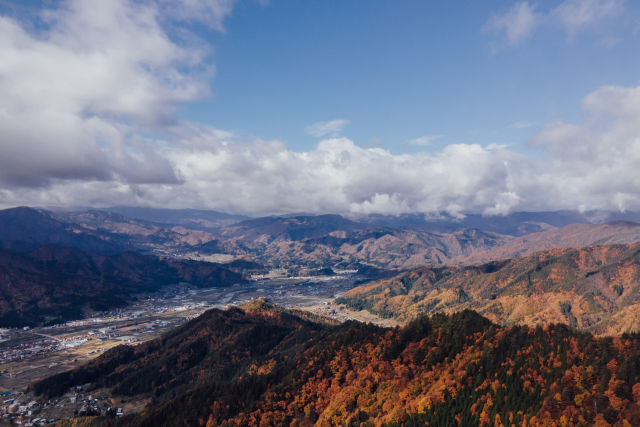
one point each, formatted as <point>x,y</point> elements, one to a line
<point>88,117</point>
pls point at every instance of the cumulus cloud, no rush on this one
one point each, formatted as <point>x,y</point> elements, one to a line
<point>521,20</point>
<point>265,176</point>
<point>594,163</point>
<point>425,140</point>
<point>587,166</point>
<point>208,12</point>
<point>333,128</point>
<point>505,203</point>
<point>575,15</point>
<point>87,117</point>
<point>74,97</point>
<point>495,146</point>
<point>517,24</point>
<point>520,125</point>
<point>375,142</point>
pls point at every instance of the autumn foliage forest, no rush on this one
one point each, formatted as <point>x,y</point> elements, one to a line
<point>263,366</point>
<point>593,289</point>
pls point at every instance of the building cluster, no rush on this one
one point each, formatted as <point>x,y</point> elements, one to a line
<point>91,407</point>
<point>28,350</point>
<point>335,312</point>
<point>20,409</point>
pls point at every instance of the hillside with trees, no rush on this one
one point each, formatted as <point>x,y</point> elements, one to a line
<point>55,283</point>
<point>261,366</point>
<point>594,289</point>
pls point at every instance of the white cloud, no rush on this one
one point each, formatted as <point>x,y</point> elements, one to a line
<point>425,140</point>
<point>375,142</point>
<point>74,97</point>
<point>518,23</point>
<point>505,203</point>
<point>574,15</point>
<point>608,42</point>
<point>79,106</point>
<point>265,176</point>
<point>521,20</point>
<point>587,166</point>
<point>495,146</point>
<point>520,125</point>
<point>333,128</point>
<point>208,12</point>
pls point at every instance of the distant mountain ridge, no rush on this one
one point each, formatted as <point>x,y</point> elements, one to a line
<point>157,237</point>
<point>514,224</point>
<point>198,219</point>
<point>382,247</point>
<point>574,235</point>
<point>316,241</point>
<point>276,229</point>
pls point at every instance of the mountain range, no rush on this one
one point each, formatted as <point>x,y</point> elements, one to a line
<point>515,224</point>
<point>317,241</point>
<point>257,365</point>
<point>321,241</point>
<point>330,239</point>
<point>381,247</point>
<point>153,237</point>
<point>198,219</point>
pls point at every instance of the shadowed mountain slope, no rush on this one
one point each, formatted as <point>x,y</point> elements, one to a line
<point>53,282</point>
<point>263,367</point>
<point>42,227</point>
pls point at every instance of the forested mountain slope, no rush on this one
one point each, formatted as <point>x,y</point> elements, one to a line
<point>55,282</point>
<point>596,288</point>
<point>264,367</point>
<point>40,227</point>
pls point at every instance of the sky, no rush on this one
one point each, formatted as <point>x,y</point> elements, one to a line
<point>267,107</point>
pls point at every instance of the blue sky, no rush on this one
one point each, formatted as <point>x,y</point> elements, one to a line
<point>401,70</point>
<point>351,107</point>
